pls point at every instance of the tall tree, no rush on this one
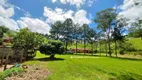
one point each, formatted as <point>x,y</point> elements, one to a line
<point>92,37</point>
<point>104,19</point>
<point>27,40</point>
<point>85,35</point>
<point>116,37</point>
<point>77,34</point>
<point>67,31</point>
<point>118,30</point>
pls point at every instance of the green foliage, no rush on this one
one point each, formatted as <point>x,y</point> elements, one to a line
<point>104,18</point>
<point>56,30</point>
<point>53,47</point>
<point>117,35</point>
<point>125,46</point>
<point>3,30</point>
<point>136,30</point>
<point>28,39</point>
<point>64,29</point>
<point>10,72</point>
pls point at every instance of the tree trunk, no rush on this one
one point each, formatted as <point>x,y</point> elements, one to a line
<point>100,49</point>
<point>66,46</point>
<point>5,66</point>
<point>92,48</point>
<point>106,47</point>
<point>21,59</point>
<point>76,47</point>
<point>84,46</point>
<point>116,48</point>
<point>109,48</point>
<point>2,60</point>
<point>26,53</point>
<point>52,56</point>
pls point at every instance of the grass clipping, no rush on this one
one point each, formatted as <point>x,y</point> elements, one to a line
<point>32,72</point>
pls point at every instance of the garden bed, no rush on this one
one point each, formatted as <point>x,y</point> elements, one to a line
<point>32,72</point>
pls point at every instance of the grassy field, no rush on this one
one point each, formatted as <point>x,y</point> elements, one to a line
<point>136,43</point>
<point>80,67</point>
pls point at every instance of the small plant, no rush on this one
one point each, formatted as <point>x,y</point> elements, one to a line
<point>10,72</point>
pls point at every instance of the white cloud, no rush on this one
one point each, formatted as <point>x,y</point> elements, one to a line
<point>2,2</point>
<point>77,3</point>
<point>90,2</point>
<point>7,11</point>
<point>60,15</point>
<point>54,1</point>
<point>130,10</point>
<point>34,24</point>
<point>9,23</point>
<point>80,17</point>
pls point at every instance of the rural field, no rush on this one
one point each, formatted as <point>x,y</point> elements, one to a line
<point>80,67</point>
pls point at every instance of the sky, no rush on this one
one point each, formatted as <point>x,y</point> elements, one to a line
<point>38,15</point>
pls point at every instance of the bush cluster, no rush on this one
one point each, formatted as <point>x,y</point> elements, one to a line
<point>53,47</point>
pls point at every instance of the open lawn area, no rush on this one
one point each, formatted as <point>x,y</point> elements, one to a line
<point>80,67</point>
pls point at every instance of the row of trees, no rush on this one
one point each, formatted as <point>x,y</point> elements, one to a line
<point>68,31</point>
<point>110,28</point>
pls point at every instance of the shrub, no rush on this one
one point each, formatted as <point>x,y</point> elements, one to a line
<point>95,51</point>
<point>121,52</point>
<point>10,72</point>
<point>53,47</point>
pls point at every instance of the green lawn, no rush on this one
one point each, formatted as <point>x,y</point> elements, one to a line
<point>80,67</point>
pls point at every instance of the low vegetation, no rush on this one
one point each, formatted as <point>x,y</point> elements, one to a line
<point>10,72</point>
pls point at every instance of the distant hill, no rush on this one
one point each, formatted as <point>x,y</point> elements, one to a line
<point>136,43</point>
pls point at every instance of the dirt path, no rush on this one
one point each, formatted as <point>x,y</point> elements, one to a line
<point>33,72</point>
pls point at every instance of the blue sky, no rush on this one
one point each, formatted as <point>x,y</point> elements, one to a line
<point>38,15</point>
<point>36,7</point>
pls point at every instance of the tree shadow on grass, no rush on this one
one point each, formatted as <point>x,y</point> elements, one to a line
<point>47,59</point>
